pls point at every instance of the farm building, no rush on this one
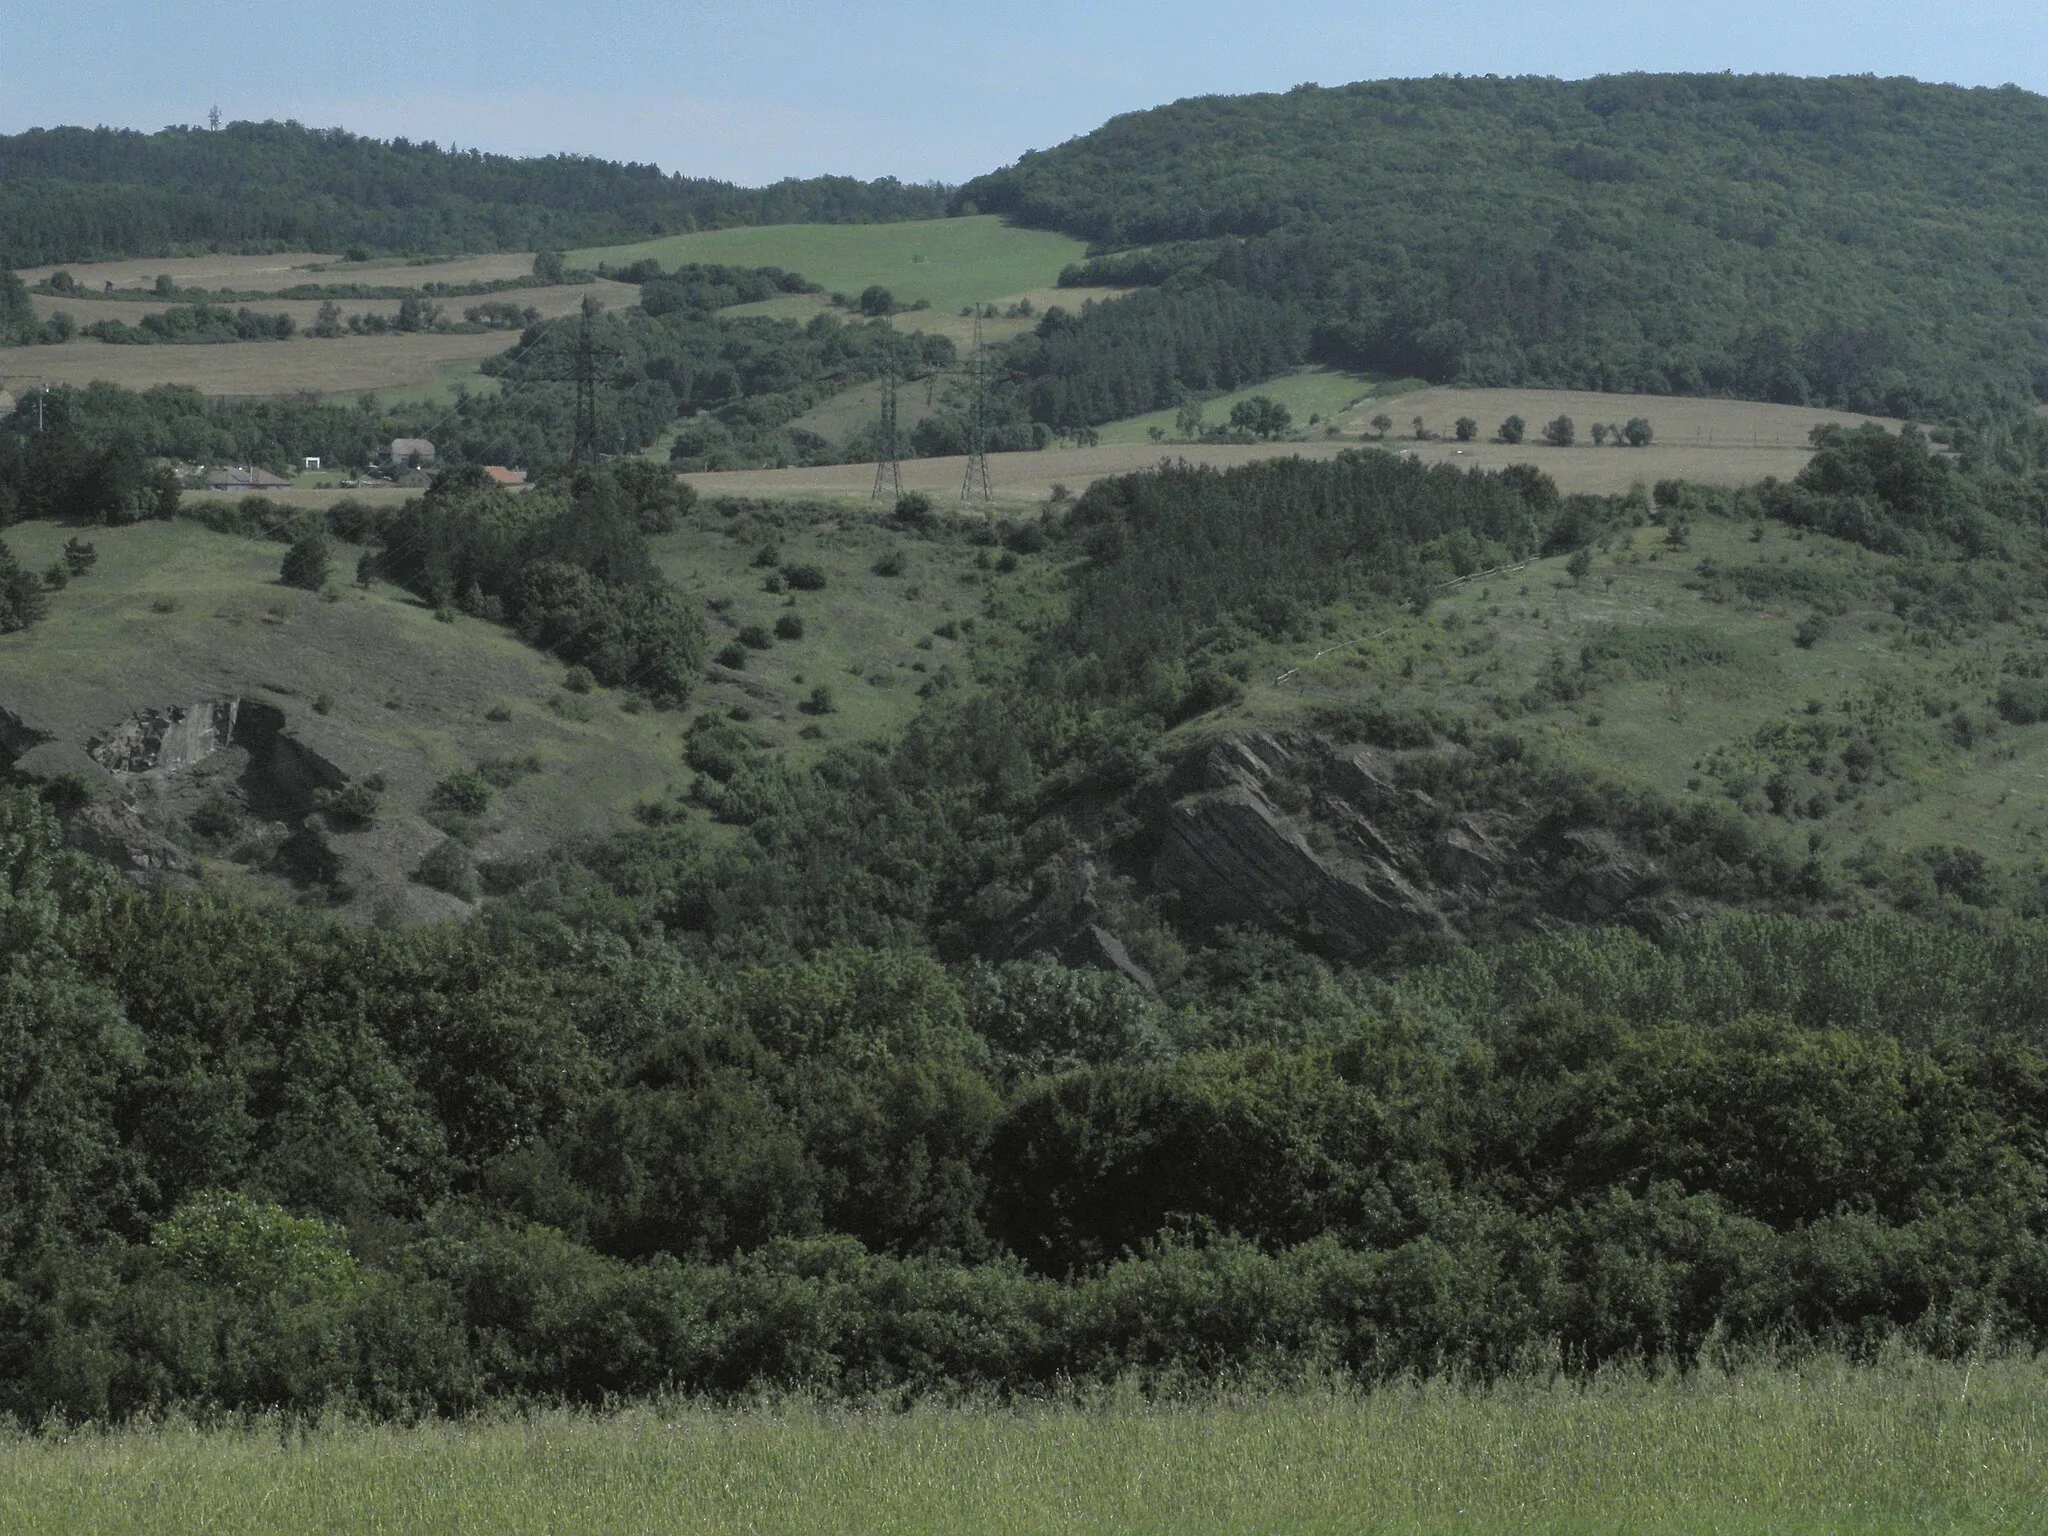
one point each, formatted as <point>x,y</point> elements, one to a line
<point>412,450</point>
<point>245,480</point>
<point>511,479</point>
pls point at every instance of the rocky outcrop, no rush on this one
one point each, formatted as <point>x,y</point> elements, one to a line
<point>1341,846</point>
<point>1231,851</point>
<point>166,740</point>
<point>115,831</point>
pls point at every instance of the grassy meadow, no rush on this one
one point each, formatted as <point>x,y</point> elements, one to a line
<point>948,262</point>
<point>1904,1446</point>
<point>173,613</point>
<point>1722,689</point>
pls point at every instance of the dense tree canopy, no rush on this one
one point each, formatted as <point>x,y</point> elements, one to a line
<point>72,194</point>
<point>1872,244</point>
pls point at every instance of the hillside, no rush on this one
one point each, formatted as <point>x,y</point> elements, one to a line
<point>71,194</point>
<point>1872,244</point>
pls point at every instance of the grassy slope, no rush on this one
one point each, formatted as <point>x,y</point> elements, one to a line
<point>870,639</point>
<point>1491,639</point>
<point>1899,1447</point>
<point>408,696</point>
<point>949,262</point>
<point>105,653</point>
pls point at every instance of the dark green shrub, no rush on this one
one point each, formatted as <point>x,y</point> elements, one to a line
<point>804,578</point>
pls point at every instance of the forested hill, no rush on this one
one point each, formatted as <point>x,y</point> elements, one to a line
<point>1871,244</point>
<point>67,194</point>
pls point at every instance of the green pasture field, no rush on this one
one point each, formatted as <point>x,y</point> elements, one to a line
<point>948,262</point>
<point>1900,1447</point>
<point>1734,681</point>
<point>1322,392</point>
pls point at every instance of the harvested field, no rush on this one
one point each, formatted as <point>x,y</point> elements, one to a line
<point>343,366</point>
<point>552,303</point>
<point>286,270</point>
<point>1679,420</point>
<point>1017,477</point>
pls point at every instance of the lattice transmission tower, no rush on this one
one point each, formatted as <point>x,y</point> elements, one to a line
<point>975,481</point>
<point>889,439</point>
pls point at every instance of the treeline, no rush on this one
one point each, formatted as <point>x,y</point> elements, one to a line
<point>567,565</point>
<point>1152,350</point>
<point>254,1160</point>
<point>1867,244</point>
<point>73,194</point>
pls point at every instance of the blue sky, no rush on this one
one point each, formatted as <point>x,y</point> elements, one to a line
<point>756,89</point>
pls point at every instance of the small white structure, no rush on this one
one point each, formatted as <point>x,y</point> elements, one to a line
<point>311,461</point>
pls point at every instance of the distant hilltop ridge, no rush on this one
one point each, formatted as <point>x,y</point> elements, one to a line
<point>1872,244</point>
<point>76,194</point>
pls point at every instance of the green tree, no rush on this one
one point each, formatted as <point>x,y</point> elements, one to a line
<point>1637,432</point>
<point>1466,429</point>
<point>1262,416</point>
<point>21,595</point>
<point>876,301</point>
<point>1187,421</point>
<point>1513,429</point>
<point>1383,424</point>
<point>305,563</point>
<point>1560,432</point>
<point>549,266</point>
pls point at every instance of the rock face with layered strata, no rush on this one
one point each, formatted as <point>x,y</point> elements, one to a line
<point>1338,845</point>
<point>1231,850</point>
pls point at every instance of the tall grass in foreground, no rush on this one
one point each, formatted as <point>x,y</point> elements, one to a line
<point>1907,1445</point>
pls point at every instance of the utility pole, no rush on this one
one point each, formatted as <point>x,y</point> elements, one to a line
<point>975,481</point>
<point>889,451</point>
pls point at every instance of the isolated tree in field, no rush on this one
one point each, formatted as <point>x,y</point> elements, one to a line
<point>1580,566</point>
<point>1261,416</point>
<point>1599,434</point>
<point>79,556</point>
<point>1383,423</point>
<point>549,266</point>
<point>305,563</point>
<point>1560,433</point>
<point>1466,428</point>
<point>1422,433</point>
<point>876,300</point>
<point>1637,432</point>
<point>1187,421</point>
<point>328,322</point>
<point>1512,430</point>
